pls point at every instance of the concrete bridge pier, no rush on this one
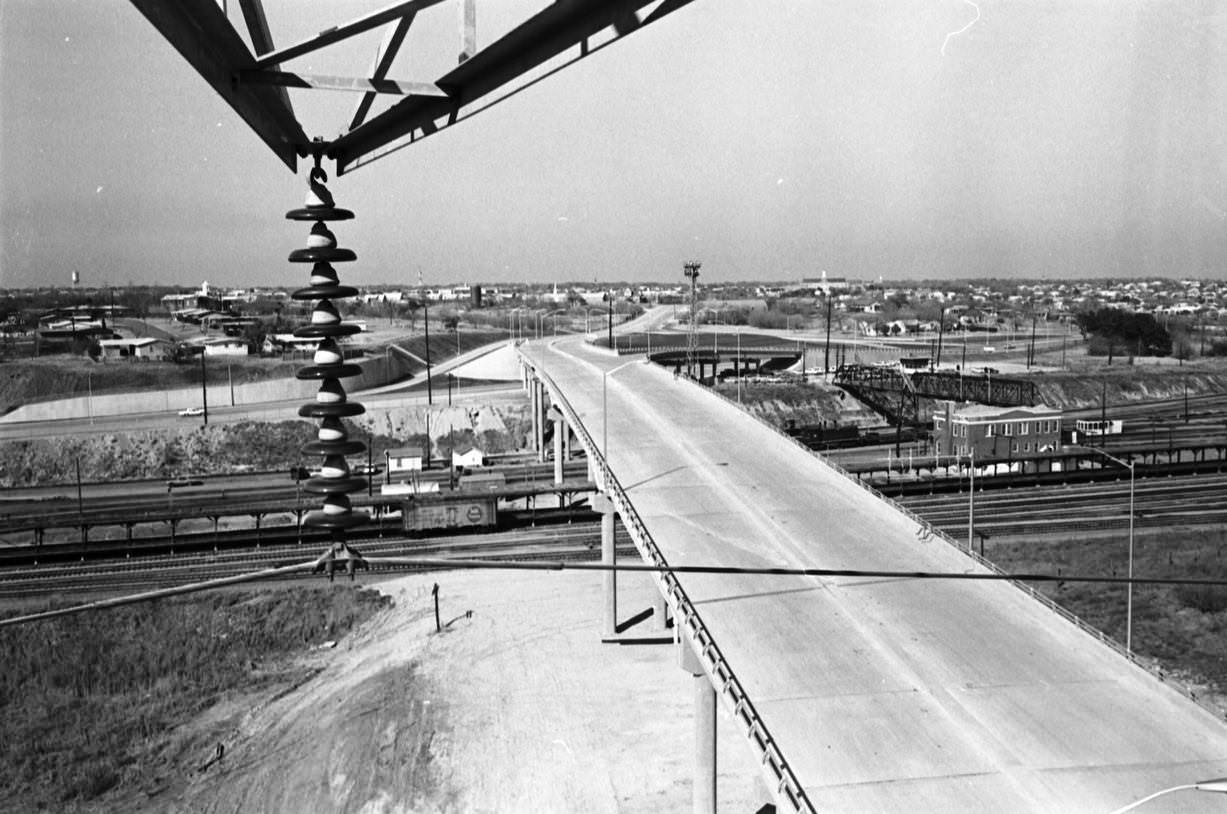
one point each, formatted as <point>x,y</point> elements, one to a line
<point>660,612</point>
<point>609,556</point>
<point>560,435</point>
<point>539,420</point>
<point>704,795</point>
<point>535,416</point>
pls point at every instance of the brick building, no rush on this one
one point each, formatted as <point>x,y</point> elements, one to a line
<point>996,433</point>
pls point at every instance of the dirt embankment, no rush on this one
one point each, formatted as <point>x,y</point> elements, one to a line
<point>817,403</point>
<point>1124,384</point>
<point>256,446</point>
<point>215,449</point>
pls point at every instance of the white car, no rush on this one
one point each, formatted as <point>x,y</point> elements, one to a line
<point>191,411</point>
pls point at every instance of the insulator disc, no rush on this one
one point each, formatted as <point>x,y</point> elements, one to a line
<point>320,292</point>
<point>333,448</point>
<point>319,213</point>
<point>340,409</point>
<point>316,255</point>
<point>316,331</point>
<point>320,520</point>
<point>334,486</point>
<point>328,371</point>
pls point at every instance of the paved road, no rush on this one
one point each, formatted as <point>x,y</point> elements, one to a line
<point>884,694</point>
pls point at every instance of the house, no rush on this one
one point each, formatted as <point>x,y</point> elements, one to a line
<point>145,347</point>
<point>996,433</point>
<point>226,346</point>
<point>402,462</point>
<point>468,458</point>
<point>289,343</point>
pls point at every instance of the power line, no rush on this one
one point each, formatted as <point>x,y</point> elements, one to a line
<point>349,557</point>
<point>194,587</point>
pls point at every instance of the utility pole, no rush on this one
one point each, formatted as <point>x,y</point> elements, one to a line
<point>1103,415</point>
<point>1031,350</point>
<point>204,386</point>
<point>826,356</point>
<point>691,271</point>
<point>430,397</point>
<point>941,333</point>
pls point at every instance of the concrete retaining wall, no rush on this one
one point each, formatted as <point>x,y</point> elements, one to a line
<point>375,372</point>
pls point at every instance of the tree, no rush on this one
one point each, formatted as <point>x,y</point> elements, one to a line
<point>1110,328</point>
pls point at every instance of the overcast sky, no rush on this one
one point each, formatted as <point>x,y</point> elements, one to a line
<point>768,139</point>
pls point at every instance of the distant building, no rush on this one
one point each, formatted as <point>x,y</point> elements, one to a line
<point>995,433</point>
<point>227,346</point>
<point>146,347</point>
<point>402,462</point>
<point>289,343</point>
<point>469,457</point>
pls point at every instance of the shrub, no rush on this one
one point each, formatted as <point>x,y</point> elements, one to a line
<point>1205,598</point>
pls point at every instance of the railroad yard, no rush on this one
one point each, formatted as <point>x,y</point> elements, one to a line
<point>105,539</point>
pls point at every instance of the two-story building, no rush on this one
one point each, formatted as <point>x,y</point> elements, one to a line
<point>996,433</point>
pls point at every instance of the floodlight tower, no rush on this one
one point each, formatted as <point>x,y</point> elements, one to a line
<point>691,270</point>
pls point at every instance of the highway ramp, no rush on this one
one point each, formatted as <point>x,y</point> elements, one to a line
<point>882,694</point>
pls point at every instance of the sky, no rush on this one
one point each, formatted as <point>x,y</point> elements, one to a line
<point>766,139</point>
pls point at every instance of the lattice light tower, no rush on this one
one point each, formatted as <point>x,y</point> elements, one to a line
<point>691,270</point>
<point>334,481</point>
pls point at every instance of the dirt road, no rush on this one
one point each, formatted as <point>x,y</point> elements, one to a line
<point>516,707</point>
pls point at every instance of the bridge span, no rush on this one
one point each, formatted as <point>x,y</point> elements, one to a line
<point>859,694</point>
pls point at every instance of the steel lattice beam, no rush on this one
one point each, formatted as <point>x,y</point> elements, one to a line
<point>203,36</point>
<point>254,84</point>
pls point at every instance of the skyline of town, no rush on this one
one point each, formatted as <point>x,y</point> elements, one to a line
<point>1072,141</point>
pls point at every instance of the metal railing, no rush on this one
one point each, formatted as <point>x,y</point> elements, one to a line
<point>787,787</point>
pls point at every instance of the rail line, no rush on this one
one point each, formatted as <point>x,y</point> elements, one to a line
<point>580,541</point>
<point>1050,509</point>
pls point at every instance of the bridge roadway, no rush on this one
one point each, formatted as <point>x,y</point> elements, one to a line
<point>881,694</point>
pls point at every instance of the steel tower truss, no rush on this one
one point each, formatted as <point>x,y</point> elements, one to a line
<point>252,74</point>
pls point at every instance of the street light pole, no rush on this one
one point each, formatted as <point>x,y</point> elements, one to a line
<point>738,367</point>
<point>971,500</point>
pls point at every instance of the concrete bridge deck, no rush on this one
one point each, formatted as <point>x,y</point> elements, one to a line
<point>881,694</point>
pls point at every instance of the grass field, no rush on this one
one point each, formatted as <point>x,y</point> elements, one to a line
<point>1181,627</point>
<point>91,702</point>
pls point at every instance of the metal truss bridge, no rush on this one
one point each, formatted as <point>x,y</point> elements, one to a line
<point>895,392</point>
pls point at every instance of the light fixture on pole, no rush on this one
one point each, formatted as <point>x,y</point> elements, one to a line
<point>1217,785</point>
<point>691,271</point>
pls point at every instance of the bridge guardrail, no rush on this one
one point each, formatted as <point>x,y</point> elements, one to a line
<point>787,787</point>
<point>930,530</point>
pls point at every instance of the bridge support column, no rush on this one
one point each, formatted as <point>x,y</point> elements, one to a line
<point>560,433</point>
<point>539,419</point>
<point>533,414</point>
<point>609,556</point>
<point>660,612</point>
<point>704,796</point>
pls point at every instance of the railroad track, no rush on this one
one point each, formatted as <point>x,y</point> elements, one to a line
<point>581,541</point>
<point>1158,502</point>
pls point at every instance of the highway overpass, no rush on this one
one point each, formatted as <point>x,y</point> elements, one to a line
<point>860,694</point>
